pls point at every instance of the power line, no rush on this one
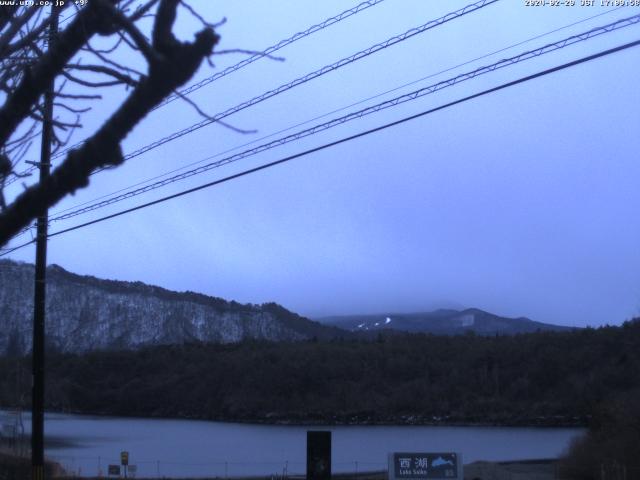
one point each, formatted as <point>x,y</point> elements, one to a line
<point>272,49</point>
<point>361,113</point>
<point>8,251</point>
<point>311,76</point>
<point>70,16</point>
<point>349,138</point>
<point>393,102</point>
<point>359,102</point>
<point>243,63</point>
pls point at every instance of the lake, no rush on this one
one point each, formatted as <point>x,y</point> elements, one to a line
<point>162,447</point>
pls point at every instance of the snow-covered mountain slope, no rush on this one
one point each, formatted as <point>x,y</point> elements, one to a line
<point>86,313</point>
<point>441,322</point>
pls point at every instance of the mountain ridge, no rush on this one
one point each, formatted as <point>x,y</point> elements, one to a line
<point>440,322</point>
<point>86,313</point>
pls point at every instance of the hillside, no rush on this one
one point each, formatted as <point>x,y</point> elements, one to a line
<point>86,313</point>
<point>546,378</point>
<point>441,322</point>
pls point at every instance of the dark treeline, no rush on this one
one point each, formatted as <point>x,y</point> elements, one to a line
<point>545,378</point>
<point>611,447</point>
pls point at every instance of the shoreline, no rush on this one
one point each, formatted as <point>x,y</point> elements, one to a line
<point>538,469</point>
<point>271,419</point>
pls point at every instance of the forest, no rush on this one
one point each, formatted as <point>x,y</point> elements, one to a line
<point>543,378</point>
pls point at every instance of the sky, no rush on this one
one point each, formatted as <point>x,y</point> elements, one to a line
<point>522,202</point>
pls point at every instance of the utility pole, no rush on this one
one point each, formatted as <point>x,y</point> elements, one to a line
<point>37,391</point>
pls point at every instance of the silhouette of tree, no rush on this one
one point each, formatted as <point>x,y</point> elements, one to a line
<point>29,64</point>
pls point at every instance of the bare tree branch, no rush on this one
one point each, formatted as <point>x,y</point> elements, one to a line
<point>39,76</point>
<point>77,96</point>
<point>15,27</point>
<point>203,114</point>
<point>55,122</point>
<point>32,36</point>
<point>121,78</point>
<point>142,10</point>
<point>249,52</point>
<point>88,83</point>
<point>23,137</point>
<point>135,34</point>
<point>71,109</point>
<point>196,14</point>
<point>172,65</point>
<point>102,56</point>
<point>108,50</point>
<point>6,14</point>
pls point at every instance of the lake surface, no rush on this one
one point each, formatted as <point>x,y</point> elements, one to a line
<point>87,445</point>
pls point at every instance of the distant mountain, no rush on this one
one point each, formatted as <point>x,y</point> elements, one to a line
<point>86,313</point>
<point>440,322</point>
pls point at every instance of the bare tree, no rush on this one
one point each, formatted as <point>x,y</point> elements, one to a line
<point>28,64</point>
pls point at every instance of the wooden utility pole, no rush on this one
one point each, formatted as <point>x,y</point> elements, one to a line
<point>37,392</point>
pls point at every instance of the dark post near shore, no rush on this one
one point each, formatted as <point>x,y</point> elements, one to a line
<point>318,455</point>
<point>37,392</point>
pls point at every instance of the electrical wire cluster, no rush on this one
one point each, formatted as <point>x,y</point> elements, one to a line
<point>551,47</point>
<point>384,105</point>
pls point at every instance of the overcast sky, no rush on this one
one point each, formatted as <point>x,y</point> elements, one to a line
<point>523,202</point>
